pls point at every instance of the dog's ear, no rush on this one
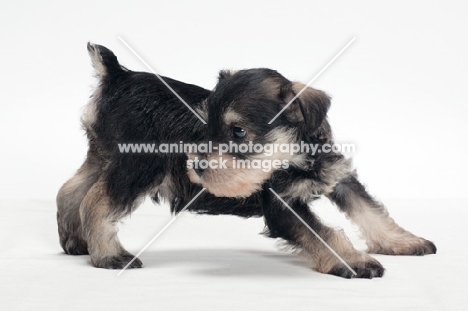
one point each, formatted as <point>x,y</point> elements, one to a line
<point>309,109</point>
<point>226,74</point>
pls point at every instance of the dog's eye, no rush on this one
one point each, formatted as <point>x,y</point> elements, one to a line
<point>238,132</point>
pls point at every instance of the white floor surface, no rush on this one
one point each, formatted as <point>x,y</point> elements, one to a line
<point>222,263</point>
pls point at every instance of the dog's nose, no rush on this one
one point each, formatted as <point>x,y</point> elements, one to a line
<point>199,171</point>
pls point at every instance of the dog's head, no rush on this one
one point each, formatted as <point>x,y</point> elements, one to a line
<point>239,113</point>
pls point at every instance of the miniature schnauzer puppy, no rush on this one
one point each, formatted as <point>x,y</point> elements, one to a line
<point>135,107</point>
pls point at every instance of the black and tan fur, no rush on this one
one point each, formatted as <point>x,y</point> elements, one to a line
<point>135,107</point>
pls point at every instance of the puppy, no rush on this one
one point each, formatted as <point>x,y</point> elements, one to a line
<point>135,107</point>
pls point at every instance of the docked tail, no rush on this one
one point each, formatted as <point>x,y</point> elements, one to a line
<point>104,61</point>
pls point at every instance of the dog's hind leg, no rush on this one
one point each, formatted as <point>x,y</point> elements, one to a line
<point>382,234</point>
<point>99,219</point>
<point>282,223</point>
<point>69,199</point>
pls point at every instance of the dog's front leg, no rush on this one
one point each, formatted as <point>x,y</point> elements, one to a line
<point>382,234</point>
<point>99,230</point>
<point>283,223</point>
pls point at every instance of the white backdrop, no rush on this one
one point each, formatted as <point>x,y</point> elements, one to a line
<point>399,91</point>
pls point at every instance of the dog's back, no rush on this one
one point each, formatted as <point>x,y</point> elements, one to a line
<point>136,107</point>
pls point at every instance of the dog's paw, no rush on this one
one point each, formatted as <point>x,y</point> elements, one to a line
<point>74,246</point>
<point>117,262</point>
<point>422,247</point>
<point>414,246</point>
<point>367,269</point>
